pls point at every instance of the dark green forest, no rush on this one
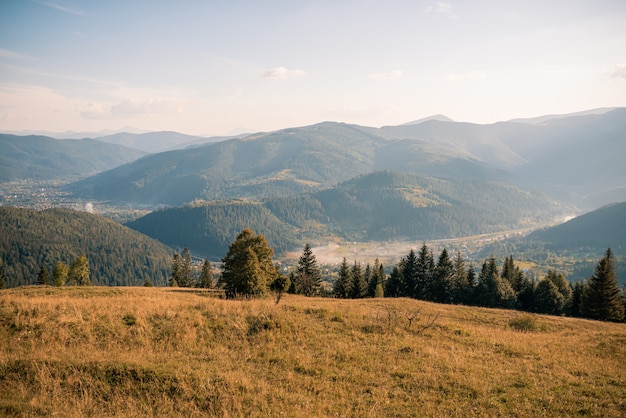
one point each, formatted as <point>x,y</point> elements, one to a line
<point>117,255</point>
<point>375,207</point>
<point>44,158</point>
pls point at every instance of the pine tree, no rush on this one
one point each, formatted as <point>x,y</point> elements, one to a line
<point>43,277</point>
<point>343,284</point>
<point>460,285</point>
<point>548,299</point>
<point>206,275</point>
<point>395,286</point>
<point>493,290</point>
<point>186,266</point>
<point>175,271</point>
<point>412,286</point>
<point>147,282</point>
<point>309,273</point>
<point>359,286</point>
<point>60,273</point>
<point>79,271</point>
<point>248,267</point>
<point>442,284</point>
<point>601,298</point>
<point>577,295</point>
<point>376,284</point>
<point>424,274</point>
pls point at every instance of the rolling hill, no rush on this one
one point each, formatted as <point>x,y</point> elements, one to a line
<point>280,163</point>
<point>575,158</point>
<point>117,255</point>
<point>379,206</point>
<point>574,246</point>
<point>44,158</point>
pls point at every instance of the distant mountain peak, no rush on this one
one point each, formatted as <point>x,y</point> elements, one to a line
<point>438,117</point>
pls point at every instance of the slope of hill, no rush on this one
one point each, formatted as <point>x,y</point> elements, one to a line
<point>142,352</point>
<point>275,164</point>
<point>117,255</point>
<point>597,230</point>
<point>574,246</point>
<point>379,206</point>
<point>44,158</point>
<point>152,142</point>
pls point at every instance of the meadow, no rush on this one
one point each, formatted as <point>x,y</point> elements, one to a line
<point>153,352</point>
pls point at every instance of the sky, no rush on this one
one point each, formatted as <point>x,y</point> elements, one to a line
<point>220,67</point>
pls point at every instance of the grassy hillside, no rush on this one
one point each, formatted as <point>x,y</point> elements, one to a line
<point>375,207</point>
<point>43,158</point>
<point>117,255</point>
<point>158,352</point>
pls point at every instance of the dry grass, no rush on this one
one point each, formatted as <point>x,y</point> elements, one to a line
<point>157,352</point>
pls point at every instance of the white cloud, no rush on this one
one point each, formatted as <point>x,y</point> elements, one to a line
<point>471,76</point>
<point>5,53</point>
<point>443,8</point>
<point>392,75</point>
<point>131,107</point>
<point>619,71</point>
<point>282,73</point>
<point>61,8</point>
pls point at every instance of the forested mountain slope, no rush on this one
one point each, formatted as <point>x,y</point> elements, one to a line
<point>44,158</point>
<point>378,206</point>
<point>117,255</point>
<point>275,164</point>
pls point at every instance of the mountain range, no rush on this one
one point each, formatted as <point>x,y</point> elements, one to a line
<point>576,159</point>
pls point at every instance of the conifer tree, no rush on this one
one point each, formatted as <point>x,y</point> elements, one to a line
<point>185,279</point>
<point>206,275</point>
<point>376,284</point>
<point>442,284</point>
<point>308,273</point>
<point>577,295</point>
<point>493,291</point>
<point>175,271</point>
<point>395,286</point>
<point>43,277</point>
<point>412,286</point>
<point>601,298</point>
<point>461,290</point>
<point>359,286</point>
<point>548,299</point>
<point>343,284</point>
<point>424,274</point>
<point>60,273</point>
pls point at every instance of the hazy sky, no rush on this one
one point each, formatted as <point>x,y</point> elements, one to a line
<point>211,67</point>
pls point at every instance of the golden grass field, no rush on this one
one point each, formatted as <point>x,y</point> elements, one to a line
<point>159,352</point>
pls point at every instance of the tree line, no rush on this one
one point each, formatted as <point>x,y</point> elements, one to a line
<point>250,272</point>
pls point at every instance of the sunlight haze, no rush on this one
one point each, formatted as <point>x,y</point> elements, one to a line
<point>223,67</point>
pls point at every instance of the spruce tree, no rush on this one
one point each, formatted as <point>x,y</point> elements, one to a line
<point>601,298</point>
<point>412,286</point>
<point>376,284</point>
<point>460,285</point>
<point>175,271</point>
<point>424,274</point>
<point>309,273</point>
<point>43,277</point>
<point>206,275</point>
<point>493,290</point>
<point>395,286</point>
<point>548,299</point>
<point>186,266</point>
<point>343,284</point>
<point>577,295</point>
<point>359,286</point>
<point>442,284</point>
